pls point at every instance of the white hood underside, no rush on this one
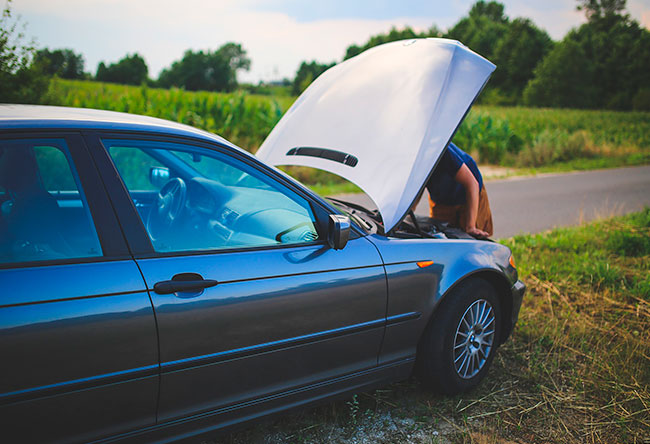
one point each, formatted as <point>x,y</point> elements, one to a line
<point>393,109</point>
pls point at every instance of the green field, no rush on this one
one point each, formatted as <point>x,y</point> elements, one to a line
<point>529,138</point>
<point>539,137</point>
<point>242,118</point>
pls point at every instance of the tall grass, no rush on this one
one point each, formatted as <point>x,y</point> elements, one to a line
<point>581,346</point>
<point>242,118</point>
<point>512,136</point>
<point>533,137</point>
<point>613,128</point>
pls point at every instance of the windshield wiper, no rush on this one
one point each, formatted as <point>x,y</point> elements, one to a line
<point>356,212</point>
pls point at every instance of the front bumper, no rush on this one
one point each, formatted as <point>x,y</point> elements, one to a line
<point>517,291</point>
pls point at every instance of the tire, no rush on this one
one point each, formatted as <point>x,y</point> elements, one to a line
<point>449,361</point>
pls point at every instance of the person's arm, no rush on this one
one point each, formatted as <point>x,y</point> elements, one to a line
<point>465,177</point>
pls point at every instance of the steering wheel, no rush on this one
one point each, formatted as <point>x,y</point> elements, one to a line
<point>167,207</point>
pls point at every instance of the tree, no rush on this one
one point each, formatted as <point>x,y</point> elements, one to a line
<point>393,35</point>
<point>597,9</point>
<point>515,46</point>
<point>21,81</point>
<point>61,62</point>
<point>308,71</point>
<point>306,74</point>
<point>209,71</point>
<point>613,54</point>
<point>482,29</point>
<point>563,79</point>
<point>491,10</point>
<point>236,57</point>
<point>516,55</point>
<point>131,70</point>
<point>619,49</point>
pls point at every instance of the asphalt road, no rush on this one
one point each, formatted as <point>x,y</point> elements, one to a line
<point>535,204</point>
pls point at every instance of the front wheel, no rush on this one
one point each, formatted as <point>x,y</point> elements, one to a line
<point>459,343</point>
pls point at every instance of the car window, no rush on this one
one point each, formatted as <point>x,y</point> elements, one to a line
<point>54,169</point>
<point>199,199</point>
<point>43,211</point>
<point>134,166</point>
<point>211,167</point>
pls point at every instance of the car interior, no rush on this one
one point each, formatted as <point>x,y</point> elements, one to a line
<point>37,223</point>
<point>197,202</point>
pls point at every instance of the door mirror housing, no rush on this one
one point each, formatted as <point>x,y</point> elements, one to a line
<point>339,231</point>
<point>158,176</point>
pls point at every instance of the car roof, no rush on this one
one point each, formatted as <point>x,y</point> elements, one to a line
<point>58,117</point>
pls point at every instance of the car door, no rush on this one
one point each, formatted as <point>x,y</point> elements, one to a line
<point>277,308</point>
<point>78,341</point>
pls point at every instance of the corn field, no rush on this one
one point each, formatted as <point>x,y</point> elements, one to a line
<point>511,136</point>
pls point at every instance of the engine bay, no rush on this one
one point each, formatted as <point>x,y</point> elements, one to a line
<point>412,227</point>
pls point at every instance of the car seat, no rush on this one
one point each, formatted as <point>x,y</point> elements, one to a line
<point>34,223</point>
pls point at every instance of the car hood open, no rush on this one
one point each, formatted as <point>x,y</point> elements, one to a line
<point>382,119</point>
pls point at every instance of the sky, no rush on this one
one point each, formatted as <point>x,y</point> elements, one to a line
<point>277,34</point>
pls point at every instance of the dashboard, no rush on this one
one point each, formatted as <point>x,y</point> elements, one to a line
<point>219,216</point>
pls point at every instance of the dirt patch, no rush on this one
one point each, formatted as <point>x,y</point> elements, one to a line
<point>490,172</point>
<point>400,413</point>
<point>373,429</point>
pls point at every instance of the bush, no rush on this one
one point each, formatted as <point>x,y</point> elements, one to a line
<point>21,80</point>
<point>578,145</point>
<point>543,149</point>
<point>627,243</point>
<point>641,100</point>
<point>563,78</point>
<point>491,139</point>
<point>556,146</point>
<point>642,219</point>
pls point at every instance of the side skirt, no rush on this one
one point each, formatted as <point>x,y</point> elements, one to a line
<point>238,414</point>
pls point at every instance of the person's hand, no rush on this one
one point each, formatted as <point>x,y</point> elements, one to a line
<point>476,232</point>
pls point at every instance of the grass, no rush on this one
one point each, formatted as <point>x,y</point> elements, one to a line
<point>589,164</point>
<point>582,340</point>
<point>530,139</point>
<point>322,182</point>
<point>555,139</point>
<point>335,188</point>
<point>576,369</point>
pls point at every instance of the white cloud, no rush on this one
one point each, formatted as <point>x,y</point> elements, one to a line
<point>161,30</point>
<point>556,16</point>
<point>640,10</point>
<point>277,42</point>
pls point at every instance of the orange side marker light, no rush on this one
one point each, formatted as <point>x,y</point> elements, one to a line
<point>423,264</point>
<point>512,261</point>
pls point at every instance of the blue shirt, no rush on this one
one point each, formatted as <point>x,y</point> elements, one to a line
<point>442,186</point>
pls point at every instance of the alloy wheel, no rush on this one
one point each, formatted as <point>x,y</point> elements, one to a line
<point>474,339</point>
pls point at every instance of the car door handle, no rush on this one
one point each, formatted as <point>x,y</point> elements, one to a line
<point>183,282</point>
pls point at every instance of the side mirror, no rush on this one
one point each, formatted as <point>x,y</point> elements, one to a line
<point>338,232</point>
<point>158,176</point>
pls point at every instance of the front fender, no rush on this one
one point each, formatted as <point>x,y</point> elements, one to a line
<point>414,292</point>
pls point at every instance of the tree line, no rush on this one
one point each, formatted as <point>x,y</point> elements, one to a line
<point>25,70</point>
<point>197,70</point>
<point>603,63</point>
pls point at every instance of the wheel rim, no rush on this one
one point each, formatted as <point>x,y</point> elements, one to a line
<point>474,339</point>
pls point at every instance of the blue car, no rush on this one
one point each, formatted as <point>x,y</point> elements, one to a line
<point>160,283</point>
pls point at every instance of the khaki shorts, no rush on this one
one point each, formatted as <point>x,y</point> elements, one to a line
<point>455,214</point>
